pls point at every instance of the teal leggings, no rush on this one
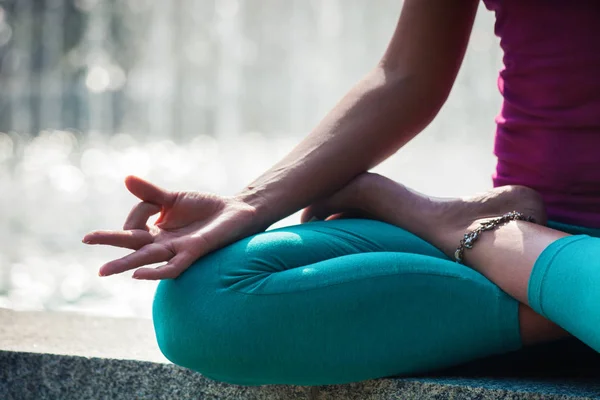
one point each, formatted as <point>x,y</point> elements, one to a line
<point>349,300</point>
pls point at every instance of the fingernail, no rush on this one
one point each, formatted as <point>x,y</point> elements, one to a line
<point>100,273</point>
<point>135,277</point>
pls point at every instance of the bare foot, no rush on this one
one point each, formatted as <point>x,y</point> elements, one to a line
<point>440,221</point>
<point>466,214</point>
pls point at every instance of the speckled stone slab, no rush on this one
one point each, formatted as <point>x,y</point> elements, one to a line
<point>69,356</point>
<point>38,376</point>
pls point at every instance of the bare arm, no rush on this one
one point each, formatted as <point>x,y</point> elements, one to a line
<point>391,105</point>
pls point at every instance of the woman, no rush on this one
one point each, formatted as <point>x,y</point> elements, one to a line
<point>345,299</point>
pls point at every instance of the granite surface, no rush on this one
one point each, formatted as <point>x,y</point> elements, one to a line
<point>69,356</point>
<point>45,376</point>
<point>78,335</point>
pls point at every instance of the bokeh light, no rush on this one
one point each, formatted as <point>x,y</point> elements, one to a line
<point>192,95</point>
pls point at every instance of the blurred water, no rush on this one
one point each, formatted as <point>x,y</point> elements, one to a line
<point>198,95</point>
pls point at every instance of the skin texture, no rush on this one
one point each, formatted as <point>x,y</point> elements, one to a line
<point>392,104</point>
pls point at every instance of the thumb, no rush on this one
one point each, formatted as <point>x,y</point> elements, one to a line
<point>147,191</point>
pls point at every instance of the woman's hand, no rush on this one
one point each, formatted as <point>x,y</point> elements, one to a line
<point>190,225</point>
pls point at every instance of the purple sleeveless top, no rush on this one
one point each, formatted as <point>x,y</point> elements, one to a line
<point>548,131</point>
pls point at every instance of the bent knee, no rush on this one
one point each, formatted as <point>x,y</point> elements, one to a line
<point>202,325</point>
<point>184,313</point>
<point>210,335</point>
<point>205,320</point>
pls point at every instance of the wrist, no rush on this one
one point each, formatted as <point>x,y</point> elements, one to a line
<point>259,206</point>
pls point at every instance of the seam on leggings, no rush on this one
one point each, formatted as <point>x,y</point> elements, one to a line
<point>451,275</point>
<point>546,268</point>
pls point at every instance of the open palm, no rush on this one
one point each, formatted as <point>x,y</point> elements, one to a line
<point>190,225</point>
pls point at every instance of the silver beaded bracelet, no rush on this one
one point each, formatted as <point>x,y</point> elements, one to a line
<point>470,237</point>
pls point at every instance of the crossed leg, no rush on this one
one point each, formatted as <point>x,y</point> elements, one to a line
<point>333,302</point>
<point>348,300</point>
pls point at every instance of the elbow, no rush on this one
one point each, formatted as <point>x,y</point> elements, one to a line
<point>418,98</point>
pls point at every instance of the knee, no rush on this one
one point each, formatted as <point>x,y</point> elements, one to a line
<point>202,325</point>
<point>203,335</point>
<point>185,316</point>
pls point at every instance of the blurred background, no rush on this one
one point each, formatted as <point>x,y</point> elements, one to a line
<point>191,94</point>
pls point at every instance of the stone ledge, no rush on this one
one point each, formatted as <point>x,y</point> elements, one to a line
<point>67,356</point>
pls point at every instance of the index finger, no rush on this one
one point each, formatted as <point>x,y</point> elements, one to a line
<point>139,214</point>
<point>147,191</point>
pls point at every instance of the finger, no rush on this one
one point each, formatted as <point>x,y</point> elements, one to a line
<point>307,215</point>
<point>150,254</point>
<point>170,270</point>
<point>139,214</point>
<point>314,212</point>
<point>350,214</point>
<point>147,191</point>
<point>336,216</point>
<point>134,240</point>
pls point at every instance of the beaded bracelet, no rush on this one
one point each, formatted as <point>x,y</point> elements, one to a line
<point>470,237</point>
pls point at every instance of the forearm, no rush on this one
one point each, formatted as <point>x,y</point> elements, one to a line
<point>377,117</point>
